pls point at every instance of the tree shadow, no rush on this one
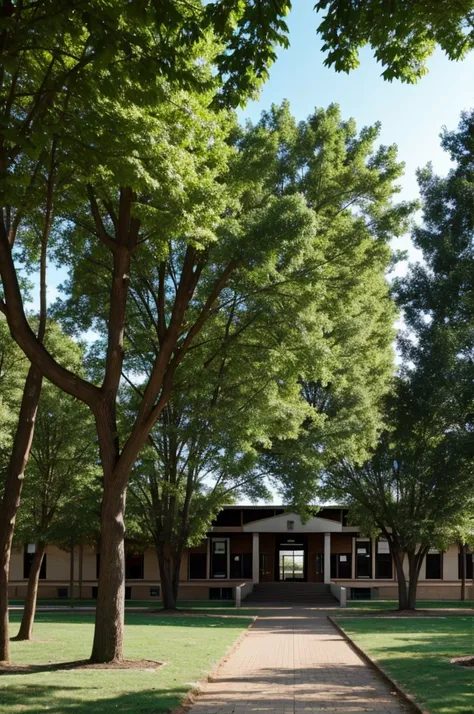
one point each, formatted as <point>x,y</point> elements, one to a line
<point>35,698</point>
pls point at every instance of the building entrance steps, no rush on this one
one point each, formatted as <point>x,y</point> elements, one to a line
<point>292,593</point>
<point>293,662</point>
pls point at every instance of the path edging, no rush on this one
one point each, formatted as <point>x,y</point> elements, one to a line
<point>200,687</point>
<point>409,698</point>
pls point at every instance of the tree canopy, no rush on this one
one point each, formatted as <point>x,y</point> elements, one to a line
<point>402,33</point>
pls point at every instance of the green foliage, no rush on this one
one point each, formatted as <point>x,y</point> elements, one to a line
<point>62,490</point>
<point>290,369</point>
<point>402,33</point>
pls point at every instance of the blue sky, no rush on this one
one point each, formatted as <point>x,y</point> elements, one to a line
<point>412,116</point>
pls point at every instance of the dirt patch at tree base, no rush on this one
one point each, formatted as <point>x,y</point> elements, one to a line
<point>466,661</point>
<point>146,665</point>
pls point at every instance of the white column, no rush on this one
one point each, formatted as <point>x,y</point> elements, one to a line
<point>327,557</point>
<point>255,558</point>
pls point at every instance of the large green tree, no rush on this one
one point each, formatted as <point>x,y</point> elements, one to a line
<point>315,312</point>
<point>402,33</point>
<point>60,59</point>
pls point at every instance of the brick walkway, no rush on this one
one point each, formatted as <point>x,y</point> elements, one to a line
<point>295,661</point>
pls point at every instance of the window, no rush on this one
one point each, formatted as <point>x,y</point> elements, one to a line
<point>28,559</point>
<point>434,561</point>
<point>134,566</point>
<point>363,558</point>
<point>155,592</point>
<point>97,565</point>
<point>220,593</point>
<point>341,565</point>
<point>469,574</point>
<point>263,565</point>
<point>63,593</point>
<point>361,593</point>
<point>128,592</point>
<point>197,566</point>
<point>241,566</point>
<point>383,560</point>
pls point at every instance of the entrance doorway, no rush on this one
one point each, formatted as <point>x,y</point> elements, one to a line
<point>291,565</point>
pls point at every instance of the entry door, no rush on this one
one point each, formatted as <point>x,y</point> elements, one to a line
<point>219,558</point>
<point>292,565</point>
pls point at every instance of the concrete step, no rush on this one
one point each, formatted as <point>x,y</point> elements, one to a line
<point>291,592</point>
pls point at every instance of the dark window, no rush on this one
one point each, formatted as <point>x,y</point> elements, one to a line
<point>63,593</point>
<point>257,514</point>
<point>330,514</point>
<point>383,560</point>
<point>155,592</point>
<point>228,517</point>
<point>468,566</point>
<point>95,590</point>
<point>219,550</point>
<point>197,566</point>
<point>220,593</point>
<point>363,559</point>
<point>241,566</point>
<point>128,592</point>
<point>341,565</point>
<point>361,594</point>
<point>134,564</point>
<point>433,566</point>
<point>27,560</point>
<point>97,565</point>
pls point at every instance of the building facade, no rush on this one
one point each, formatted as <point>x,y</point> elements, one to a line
<point>249,545</point>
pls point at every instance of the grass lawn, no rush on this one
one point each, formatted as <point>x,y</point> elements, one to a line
<point>416,652</point>
<point>190,646</point>
<point>421,604</point>
<point>148,604</point>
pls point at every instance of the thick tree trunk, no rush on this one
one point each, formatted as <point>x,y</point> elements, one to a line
<point>109,620</point>
<point>398,557</point>
<point>26,628</point>
<point>415,560</point>
<point>12,493</point>
<point>169,591</point>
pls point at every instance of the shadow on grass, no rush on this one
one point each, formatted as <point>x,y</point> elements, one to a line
<point>36,698</point>
<point>158,618</point>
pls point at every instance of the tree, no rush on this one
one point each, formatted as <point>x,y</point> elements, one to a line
<point>77,56</point>
<point>62,485</point>
<point>319,310</point>
<point>416,490</point>
<point>402,33</point>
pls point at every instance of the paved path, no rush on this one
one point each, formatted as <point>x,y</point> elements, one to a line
<point>294,661</point>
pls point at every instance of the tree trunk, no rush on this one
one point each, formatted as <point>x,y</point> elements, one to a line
<point>12,493</point>
<point>109,619</point>
<point>415,561</point>
<point>463,572</point>
<point>26,628</point>
<point>168,589</point>
<point>71,573</point>
<point>81,562</point>
<point>398,558</point>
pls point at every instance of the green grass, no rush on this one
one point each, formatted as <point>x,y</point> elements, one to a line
<point>416,653</point>
<point>421,604</point>
<point>188,604</point>
<point>190,646</point>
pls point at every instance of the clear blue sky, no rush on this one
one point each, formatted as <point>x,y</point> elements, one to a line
<point>412,115</point>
